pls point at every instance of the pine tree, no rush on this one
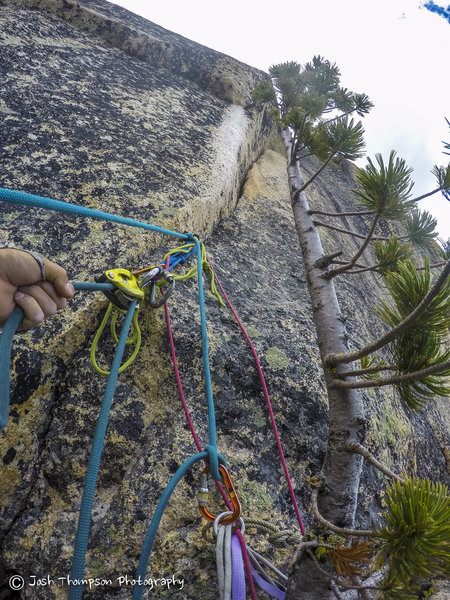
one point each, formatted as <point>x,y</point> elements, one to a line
<point>314,113</point>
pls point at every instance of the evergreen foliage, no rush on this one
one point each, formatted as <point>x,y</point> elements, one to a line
<point>302,96</point>
<point>386,189</point>
<point>415,542</point>
<point>421,345</point>
<point>420,228</point>
<point>389,253</point>
<point>442,175</point>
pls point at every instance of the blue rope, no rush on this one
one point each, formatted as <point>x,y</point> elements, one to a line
<point>180,257</point>
<point>84,520</point>
<point>212,446</point>
<point>139,586</point>
<point>82,536</point>
<point>92,287</point>
<point>14,197</point>
<point>6,340</point>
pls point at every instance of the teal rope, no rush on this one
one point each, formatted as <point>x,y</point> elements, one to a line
<point>84,520</point>
<point>14,197</point>
<point>139,586</point>
<point>212,446</point>
<point>82,536</point>
<point>6,340</point>
<point>92,287</point>
<point>210,452</point>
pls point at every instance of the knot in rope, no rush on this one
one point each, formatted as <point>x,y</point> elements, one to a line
<point>276,535</point>
<point>205,265</point>
<point>213,460</point>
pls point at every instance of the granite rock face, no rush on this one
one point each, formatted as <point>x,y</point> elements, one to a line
<point>101,108</point>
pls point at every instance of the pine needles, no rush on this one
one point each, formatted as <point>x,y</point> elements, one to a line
<point>421,345</point>
<point>415,542</point>
<point>385,189</point>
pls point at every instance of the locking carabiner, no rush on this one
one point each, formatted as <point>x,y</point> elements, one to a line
<point>202,497</point>
<point>168,290</point>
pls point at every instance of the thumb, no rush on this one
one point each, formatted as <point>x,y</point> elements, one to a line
<point>58,276</point>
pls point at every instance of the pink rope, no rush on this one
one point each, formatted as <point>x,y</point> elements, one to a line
<point>272,419</point>
<point>179,384</point>
<point>184,401</point>
<point>269,404</point>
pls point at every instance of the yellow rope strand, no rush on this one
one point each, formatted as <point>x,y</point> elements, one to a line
<point>193,270</point>
<point>136,338</point>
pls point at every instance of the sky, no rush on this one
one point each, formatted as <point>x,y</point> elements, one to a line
<point>395,51</point>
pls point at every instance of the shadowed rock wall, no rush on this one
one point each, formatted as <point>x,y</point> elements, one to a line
<point>104,109</point>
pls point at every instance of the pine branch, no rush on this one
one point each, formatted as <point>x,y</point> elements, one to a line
<point>330,526</point>
<point>336,591</point>
<point>397,379</point>
<point>354,446</point>
<point>335,359</point>
<point>297,192</point>
<point>327,259</point>
<point>439,189</point>
<point>368,371</point>
<point>339,229</point>
<point>305,155</point>
<point>323,213</point>
<point>354,259</point>
<point>357,265</point>
<point>363,270</point>
<point>435,266</point>
<point>334,119</point>
<point>301,549</point>
<point>364,590</point>
<point>400,237</point>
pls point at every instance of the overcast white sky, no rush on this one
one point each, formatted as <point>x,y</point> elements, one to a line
<point>393,50</point>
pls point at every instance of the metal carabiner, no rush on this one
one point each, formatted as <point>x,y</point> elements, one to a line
<point>203,495</point>
<point>147,277</point>
<point>168,290</point>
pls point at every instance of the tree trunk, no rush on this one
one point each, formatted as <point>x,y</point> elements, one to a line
<point>341,468</point>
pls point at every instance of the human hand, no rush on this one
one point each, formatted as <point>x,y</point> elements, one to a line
<point>21,284</point>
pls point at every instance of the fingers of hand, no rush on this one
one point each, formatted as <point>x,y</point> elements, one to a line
<point>33,312</point>
<point>58,276</point>
<point>18,267</point>
<point>38,302</point>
